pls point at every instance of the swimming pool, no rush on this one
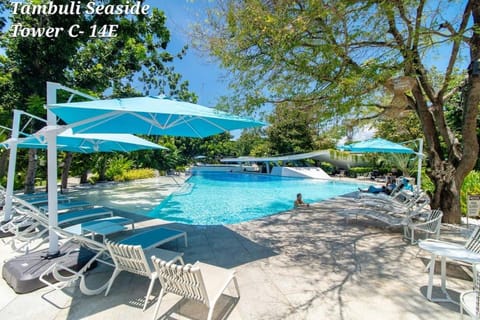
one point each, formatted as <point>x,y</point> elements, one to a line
<point>213,198</point>
<point>227,198</point>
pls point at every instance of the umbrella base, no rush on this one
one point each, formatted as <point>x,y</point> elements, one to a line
<point>22,273</point>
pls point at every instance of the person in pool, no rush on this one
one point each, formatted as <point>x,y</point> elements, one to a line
<point>299,202</point>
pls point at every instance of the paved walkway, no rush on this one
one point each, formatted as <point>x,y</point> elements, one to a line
<point>307,263</point>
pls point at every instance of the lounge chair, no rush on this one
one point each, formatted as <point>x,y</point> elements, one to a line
<point>102,226</point>
<point>155,237</point>
<point>201,282</point>
<point>22,240</point>
<point>391,211</point>
<point>38,196</point>
<point>69,206</point>
<point>124,254</point>
<point>37,201</point>
<point>132,258</point>
<point>396,203</point>
<point>470,300</point>
<point>430,226</point>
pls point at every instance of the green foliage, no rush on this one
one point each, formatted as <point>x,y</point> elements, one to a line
<point>403,127</point>
<point>96,65</point>
<point>291,130</point>
<point>454,115</point>
<point>17,184</point>
<point>261,150</point>
<point>406,163</point>
<point>471,185</point>
<point>327,167</point>
<point>117,167</point>
<point>337,60</point>
<point>357,171</point>
<point>249,140</point>
<point>427,184</point>
<point>136,174</point>
<point>93,178</point>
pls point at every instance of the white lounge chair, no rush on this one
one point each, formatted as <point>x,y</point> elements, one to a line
<point>430,226</point>
<point>124,254</point>
<point>132,258</point>
<point>200,282</point>
<point>22,241</point>
<point>394,203</point>
<point>470,300</point>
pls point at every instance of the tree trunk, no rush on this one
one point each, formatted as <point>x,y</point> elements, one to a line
<point>446,195</point>
<point>451,158</point>
<point>31,171</point>
<point>66,169</point>
<point>101,166</point>
<point>84,177</point>
<point>3,164</point>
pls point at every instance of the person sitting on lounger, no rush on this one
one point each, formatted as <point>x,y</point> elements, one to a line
<point>374,189</point>
<point>406,185</point>
<point>388,188</point>
<point>299,202</point>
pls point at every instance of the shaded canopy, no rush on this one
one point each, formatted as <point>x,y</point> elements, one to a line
<point>377,145</point>
<point>88,143</point>
<point>148,115</point>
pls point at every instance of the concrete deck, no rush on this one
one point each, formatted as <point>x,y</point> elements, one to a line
<point>307,263</point>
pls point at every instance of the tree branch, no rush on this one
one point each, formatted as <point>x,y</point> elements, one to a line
<point>455,48</point>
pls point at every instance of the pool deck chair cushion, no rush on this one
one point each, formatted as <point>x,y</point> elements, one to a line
<point>86,214</point>
<point>201,282</point>
<point>155,237</point>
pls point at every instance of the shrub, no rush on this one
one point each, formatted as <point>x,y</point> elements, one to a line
<point>471,185</point>
<point>327,167</point>
<point>427,184</point>
<point>117,167</point>
<point>358,171</point>
<point>93,178</point>
<point>135,174</point>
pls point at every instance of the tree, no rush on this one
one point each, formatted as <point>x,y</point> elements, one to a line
<point>291,130</point>
<point>339,57</point>
<point>138,52</point>
<point>249,140</point>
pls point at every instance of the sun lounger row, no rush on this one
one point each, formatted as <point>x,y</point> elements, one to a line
<point>131,254</point>
<point>408,210</point>
<point>137,253</point>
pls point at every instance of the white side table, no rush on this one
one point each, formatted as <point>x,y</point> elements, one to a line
<point>445,250</point>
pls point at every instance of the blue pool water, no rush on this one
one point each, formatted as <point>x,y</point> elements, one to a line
<point>227,198</point>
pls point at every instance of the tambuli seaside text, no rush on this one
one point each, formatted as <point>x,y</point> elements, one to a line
<point>76,8</point>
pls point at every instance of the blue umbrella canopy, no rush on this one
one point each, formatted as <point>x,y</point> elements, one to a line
<point>148,115</point>
<point>88,143</point>
<point>376,145</point>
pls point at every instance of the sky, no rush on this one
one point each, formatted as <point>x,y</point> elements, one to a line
<point>204,76</point>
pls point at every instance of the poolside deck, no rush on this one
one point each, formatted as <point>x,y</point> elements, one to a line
<point>307,263</point>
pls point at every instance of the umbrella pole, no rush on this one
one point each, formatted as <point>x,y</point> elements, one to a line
<point>11,166</point>
<point>51,137</point>
<point>420,160</point>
